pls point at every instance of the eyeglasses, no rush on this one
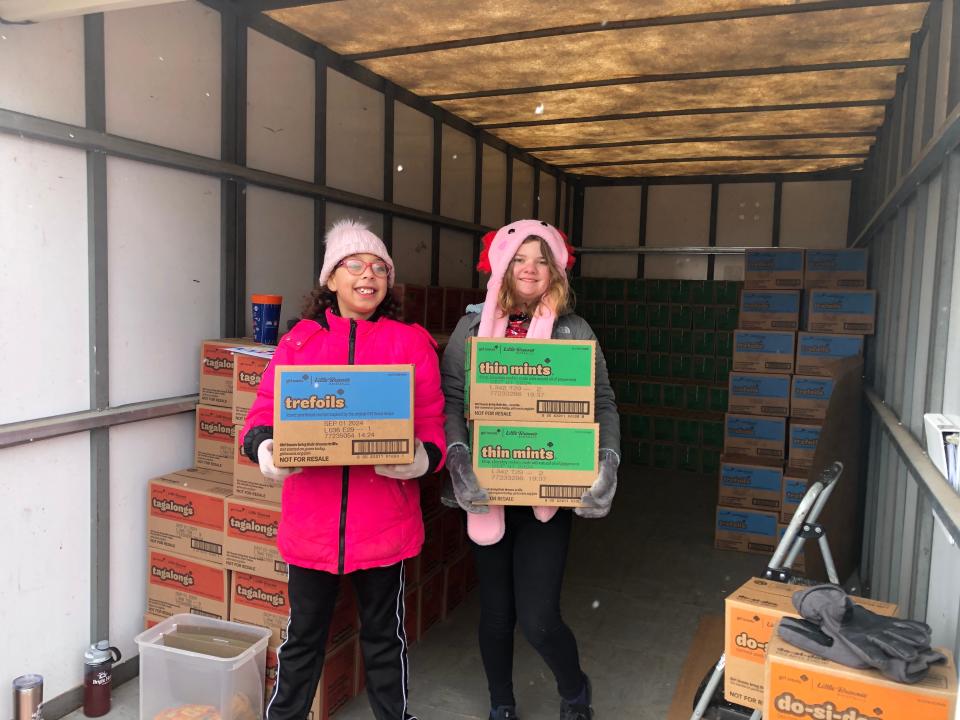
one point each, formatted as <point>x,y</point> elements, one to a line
<point>357,267</point>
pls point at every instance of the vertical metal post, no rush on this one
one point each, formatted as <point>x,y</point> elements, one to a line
<point>536,192</point>
<point>777,212</point>
<point>932,71</point>
<point>233,149</point>
<point>556,206</point>
<point>642,240</point>
<point>714,205</point>
<point>99,336</point>
<point>508,205</point>
<point>477,208</point>
<point>576,237</point>
<point>437,170</point>
<point>953,86</point>
<point>319,158</point>
<point>943,280</point>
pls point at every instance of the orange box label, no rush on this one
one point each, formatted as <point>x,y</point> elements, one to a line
<point>181,574</point>
<point>217,361</point>
<point>260,593</point>
<point>249,372</point>
<point>182,505</point>
<point>215,424</point>
<point>252,524</point>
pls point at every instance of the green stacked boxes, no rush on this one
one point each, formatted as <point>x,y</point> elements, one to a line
<point>668,346</point>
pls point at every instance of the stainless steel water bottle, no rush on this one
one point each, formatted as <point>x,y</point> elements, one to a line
<point>28,697</point>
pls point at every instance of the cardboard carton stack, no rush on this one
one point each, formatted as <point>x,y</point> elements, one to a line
<point>531,407</point>
<point>800,311</point>
<point>668,346</point>
<point>212,537</point>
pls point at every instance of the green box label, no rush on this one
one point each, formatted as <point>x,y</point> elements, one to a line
<point>515,362</point>
<point>546,448</point>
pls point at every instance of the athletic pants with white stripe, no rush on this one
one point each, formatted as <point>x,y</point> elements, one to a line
<point>383,641</point>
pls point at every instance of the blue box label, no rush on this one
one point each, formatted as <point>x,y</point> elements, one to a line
<point>812,388</point>
<point>761,342</point>
<point>774,260</point>
<point>840,302</point>
<point>747,522</point>
<point>836,260</point>
<point>793,491</point>
<point>830,346</point>
<point>344,395</point>
<point>760,386</point>
<point>804,437</point>
<point>754,478</point>
<point>758,301</point>
<point>756,428</point>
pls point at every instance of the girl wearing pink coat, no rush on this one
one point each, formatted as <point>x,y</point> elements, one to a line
<point>357,521</point>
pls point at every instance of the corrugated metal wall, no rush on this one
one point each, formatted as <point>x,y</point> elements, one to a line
<point>905,209</point>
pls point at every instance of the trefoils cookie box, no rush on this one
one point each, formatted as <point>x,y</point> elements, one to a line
<point>836,269</point>
<point>744,483</point>
<point>754,436</point>
<point>841,311</point>
<point>810,397</point>
<point>535,463</point>
<point>530,380</point>
<point>343,415</point>
<point>770,309</point>
<point>773,269</point>
<point>762,351</point>
<point>818,353</point>
<point>759,394</point>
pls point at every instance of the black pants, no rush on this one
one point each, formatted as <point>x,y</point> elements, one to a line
<point>520,578</point>
<point>383,641</point>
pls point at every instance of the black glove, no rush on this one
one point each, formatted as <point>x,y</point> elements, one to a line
<point>900,649</point>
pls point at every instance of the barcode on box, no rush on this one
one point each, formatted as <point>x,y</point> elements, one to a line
<point>207,547</point>
<point>279,566</point>
<point>563,492</point>
<point>563,407</point>
<point>381,447</point>
<point>777,366</point>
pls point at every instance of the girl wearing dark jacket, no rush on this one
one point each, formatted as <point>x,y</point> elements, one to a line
<point>521,554</point>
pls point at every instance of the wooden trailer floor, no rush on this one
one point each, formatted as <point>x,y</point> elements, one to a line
<point>637,586</point>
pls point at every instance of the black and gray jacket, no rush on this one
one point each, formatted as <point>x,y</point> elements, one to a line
<point>567,327</point>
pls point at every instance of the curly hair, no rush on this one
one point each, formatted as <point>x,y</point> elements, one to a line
<point>322,297</point>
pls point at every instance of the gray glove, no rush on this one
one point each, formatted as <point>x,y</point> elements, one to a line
<point>466,489</point>
<point>599,497</point>
<point>847,633</point>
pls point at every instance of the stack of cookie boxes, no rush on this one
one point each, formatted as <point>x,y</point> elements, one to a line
<point>212,533</point>
<point>800,312</point>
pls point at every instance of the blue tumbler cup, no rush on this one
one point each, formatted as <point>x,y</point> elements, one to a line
<point>266,318</point>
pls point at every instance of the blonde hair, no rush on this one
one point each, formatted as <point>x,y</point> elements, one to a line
<point>558,294</point>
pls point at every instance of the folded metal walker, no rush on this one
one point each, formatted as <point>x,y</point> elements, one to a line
<point>709,703</point>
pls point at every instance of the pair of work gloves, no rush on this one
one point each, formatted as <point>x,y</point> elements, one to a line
<point>836,628</point>
<point>410,471</point>
<point>472,498</point>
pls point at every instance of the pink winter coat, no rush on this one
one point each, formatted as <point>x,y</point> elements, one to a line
<point>340,519</point>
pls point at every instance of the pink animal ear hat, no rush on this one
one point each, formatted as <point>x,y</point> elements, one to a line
<point>498,251</point>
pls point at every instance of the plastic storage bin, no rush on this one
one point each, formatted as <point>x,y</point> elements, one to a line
<point>171,678</point>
